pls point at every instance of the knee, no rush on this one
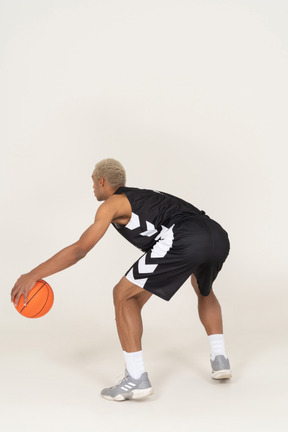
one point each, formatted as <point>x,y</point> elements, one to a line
<point>117,294</point>
<point>120,294</point>
<point>194,284</point>
<point>209,300</point>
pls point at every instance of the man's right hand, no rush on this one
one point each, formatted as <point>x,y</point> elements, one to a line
<point>22,287</point>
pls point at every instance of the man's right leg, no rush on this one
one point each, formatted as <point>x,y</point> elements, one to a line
<point>211,317</point>
<point>128,301</point>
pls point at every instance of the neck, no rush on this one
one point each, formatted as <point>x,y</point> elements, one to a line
<point>111,191</point>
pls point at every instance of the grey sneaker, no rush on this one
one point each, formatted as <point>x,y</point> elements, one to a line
<point>129,388</point>
<point>220,367</point>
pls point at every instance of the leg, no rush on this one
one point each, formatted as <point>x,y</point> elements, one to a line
<point>209,310</point>
<point>211,317</point>
<point>128,301</point>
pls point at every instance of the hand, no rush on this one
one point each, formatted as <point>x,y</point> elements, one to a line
<point>22,287</point>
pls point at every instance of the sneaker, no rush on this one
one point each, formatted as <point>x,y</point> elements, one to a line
<point>129,388</point>
<point>220,368</point>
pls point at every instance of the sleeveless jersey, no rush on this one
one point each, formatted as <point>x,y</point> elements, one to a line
<point>153,215</point>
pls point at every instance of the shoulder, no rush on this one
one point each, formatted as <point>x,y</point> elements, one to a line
<point>115,201</point>
<point>115,206</point>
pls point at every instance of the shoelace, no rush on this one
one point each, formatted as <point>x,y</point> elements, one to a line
<point>119,381</point>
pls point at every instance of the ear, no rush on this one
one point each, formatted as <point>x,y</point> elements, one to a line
<point>101,181</point>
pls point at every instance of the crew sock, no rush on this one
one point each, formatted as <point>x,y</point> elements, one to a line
<point>134,363</point>
<point>217,346</point>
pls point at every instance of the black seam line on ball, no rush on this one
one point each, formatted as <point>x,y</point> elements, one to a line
<point>33,296</point>
<point>44,304</point>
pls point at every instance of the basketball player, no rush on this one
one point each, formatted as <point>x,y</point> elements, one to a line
<point>178,241</point>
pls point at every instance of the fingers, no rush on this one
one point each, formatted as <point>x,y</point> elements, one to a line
<point>22,287</point>
<point>16,294</point>
<point>25,297</point>
<point>13,294</point>
<point>17,298</point>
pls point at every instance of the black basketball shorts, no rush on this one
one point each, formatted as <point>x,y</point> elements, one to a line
<point>197,245</point>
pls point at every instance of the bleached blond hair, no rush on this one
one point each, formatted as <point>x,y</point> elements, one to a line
<point>112,171</point>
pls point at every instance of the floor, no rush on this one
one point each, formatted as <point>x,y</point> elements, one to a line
<point>53,369</point>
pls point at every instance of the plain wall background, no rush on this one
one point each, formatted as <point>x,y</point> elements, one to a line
<point>191,97</point>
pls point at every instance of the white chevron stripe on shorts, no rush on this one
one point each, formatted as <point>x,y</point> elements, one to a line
<point>145,268</point>
<point>138,282</point>
<point>165,243</point>
<point>159,250</point>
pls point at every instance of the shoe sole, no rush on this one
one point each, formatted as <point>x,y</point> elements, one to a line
<point>136,394</point>
<point>222,374</point>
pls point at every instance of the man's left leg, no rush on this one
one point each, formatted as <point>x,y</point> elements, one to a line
<point>128,301</point>
<point>211,317</point>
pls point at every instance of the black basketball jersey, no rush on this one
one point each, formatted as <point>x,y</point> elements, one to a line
<point>153,213</point>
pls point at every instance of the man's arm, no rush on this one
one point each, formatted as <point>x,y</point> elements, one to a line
<point>69,255</point>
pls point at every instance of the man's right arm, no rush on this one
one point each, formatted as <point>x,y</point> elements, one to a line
<point>69,255</point>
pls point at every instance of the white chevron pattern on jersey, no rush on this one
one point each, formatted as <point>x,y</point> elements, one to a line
<point>150,230</point>
<point>134,222</point>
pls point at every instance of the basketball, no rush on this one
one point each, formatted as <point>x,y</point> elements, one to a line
<point>39,302</point>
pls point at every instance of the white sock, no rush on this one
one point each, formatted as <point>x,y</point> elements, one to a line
<point>134,363</point>
<point>217,346</point>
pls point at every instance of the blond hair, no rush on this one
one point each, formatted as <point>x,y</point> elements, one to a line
<point>112,171</point>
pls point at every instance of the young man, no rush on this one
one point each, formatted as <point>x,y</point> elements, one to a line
<point>178,240</point>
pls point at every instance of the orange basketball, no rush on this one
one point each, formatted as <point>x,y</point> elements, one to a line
<point>39,302</point>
